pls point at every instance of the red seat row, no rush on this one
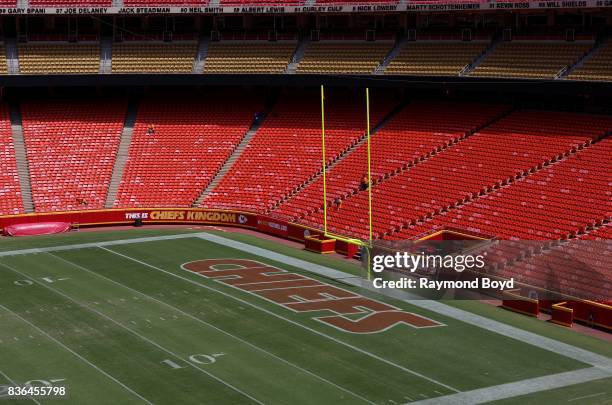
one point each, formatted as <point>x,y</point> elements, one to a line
<point>511,147</point>
<point>71,148</point>
<point>10,190</point>
<point>562,200</point>
<point>286,151</point>
<point>581,267</point>
<point>412,134</point>
<point>190,141</point>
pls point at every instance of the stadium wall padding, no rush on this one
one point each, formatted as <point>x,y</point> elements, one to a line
<point>513,301</point>
<point>562,315</point>
<point>110,217</point>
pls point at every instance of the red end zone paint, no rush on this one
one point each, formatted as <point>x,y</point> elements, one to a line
<point>303,294</point>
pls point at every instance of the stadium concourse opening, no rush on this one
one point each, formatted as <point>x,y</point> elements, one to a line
<point>307,202</point>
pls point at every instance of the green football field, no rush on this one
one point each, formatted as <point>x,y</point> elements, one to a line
<point>181,319</point>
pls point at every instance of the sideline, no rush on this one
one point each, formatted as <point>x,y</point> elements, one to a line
<point>519,388</point>
<point>96,244</point>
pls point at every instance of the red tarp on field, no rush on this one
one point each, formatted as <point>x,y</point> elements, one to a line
<point>37,228</point>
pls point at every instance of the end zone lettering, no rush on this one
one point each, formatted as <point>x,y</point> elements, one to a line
<point>299,293</point>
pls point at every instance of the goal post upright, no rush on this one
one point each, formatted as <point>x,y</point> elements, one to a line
<point>367,244</point>
<point>324,160</point>
<point>367,92</point>
<point>368,133</point>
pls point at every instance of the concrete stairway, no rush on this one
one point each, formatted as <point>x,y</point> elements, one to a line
<point>200,59</point>
<point>592,52</point>
<point>232,159</point>
<point>397,47</point>
<point>478,60</point>
<point>297,56</point>
<point>106,55</point>
<point>122,153</point>
<point>23,168</point>
<point>12,56</point>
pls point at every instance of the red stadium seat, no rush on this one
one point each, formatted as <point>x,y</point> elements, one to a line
<point>286,151</point>
<point>511,146</point>
<point>192,140</point>
<point>10,190</point>
<point>71,147</point>
<point>553,203</point>
<point>412,134</point>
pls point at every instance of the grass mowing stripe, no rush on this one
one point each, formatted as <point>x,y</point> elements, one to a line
<point>362,351</point>
<point>73,352</point>
<point>13,382</point>
<point>84,306</point>
<point>213,327</point>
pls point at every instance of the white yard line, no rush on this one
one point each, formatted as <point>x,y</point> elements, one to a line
<point>42,332</point>
<point>144,338</point>
<point>358,349</point>
<point>95,244</point>
<point>519,388</point>
<point>213,327</point>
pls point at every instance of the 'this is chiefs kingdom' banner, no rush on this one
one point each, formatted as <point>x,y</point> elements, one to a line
<point>146,215</point>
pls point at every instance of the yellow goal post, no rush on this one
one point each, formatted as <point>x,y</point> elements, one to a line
<point>364,244</point>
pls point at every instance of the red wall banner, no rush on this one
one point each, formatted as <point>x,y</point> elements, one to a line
<point>146,215</point>
<point>285,229</point>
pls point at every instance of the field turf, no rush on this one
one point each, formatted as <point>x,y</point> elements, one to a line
<point>127,324</point>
